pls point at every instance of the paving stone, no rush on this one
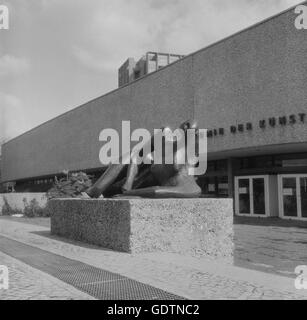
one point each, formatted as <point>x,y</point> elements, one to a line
<point>184,276</point>
<point>26,283</point>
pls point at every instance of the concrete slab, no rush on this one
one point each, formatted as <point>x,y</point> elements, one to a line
<point>195,227</point>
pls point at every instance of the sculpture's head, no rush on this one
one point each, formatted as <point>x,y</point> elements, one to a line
<point>189,124</point>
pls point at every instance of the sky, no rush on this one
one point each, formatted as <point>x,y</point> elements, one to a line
<point>59,54</point>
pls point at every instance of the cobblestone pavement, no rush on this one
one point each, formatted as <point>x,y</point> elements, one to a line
<point>26,283</point>
<point>184,276</point>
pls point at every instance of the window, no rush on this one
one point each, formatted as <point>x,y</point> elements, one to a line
<point>294,163</point>
<point>137,74</point>
<point>222,165</point>
<point>162,60</point>
<point>291,160</point>
<point>223,187</point>
<point>152,57</point>
<point>256,162</point>
<point>211,166</point>
<point>208,185</point>
<point>173,59</point>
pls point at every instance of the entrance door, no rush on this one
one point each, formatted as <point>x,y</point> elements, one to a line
<point>251,196</point>
<point>293,196</point>
<point>303,196</point>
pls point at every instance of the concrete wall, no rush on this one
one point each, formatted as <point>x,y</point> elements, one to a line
<point>71,140</point>
<point>16,200</point>
<point>195,227</point>
<point>255,74</point>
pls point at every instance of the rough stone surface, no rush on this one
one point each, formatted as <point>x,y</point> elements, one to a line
<point>195,227</point>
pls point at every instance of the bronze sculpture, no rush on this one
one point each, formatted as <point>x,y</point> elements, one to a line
<point>150,180</point>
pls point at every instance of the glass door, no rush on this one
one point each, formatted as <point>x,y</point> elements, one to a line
<point>244,200</point>
<point>259,196</point>
<point>303,196</point>
<point>293,196</point>
<point>251,196</point>
<point>289,194</point>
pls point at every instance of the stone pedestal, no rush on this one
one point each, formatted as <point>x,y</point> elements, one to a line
<point>195,227</point>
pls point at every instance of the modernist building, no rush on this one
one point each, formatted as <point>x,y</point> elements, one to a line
<point>150,62</point>
<point>249,90</point>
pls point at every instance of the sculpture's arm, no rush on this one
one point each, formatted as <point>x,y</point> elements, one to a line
<point>106,180</point>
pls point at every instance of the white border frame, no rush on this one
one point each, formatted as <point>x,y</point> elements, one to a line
<point>251,194</point>
<point>297,177</point>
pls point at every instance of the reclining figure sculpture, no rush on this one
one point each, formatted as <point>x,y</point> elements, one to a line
<point>150,180</point>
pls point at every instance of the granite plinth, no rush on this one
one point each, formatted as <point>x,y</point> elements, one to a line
<point>195,227</point>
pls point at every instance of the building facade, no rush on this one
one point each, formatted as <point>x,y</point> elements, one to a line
<point>150,62</point>
<point>249,90</point>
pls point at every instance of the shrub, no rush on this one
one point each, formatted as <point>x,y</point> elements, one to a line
<point>7,210</point>
<point>33,209</point>
<point>71,187</point>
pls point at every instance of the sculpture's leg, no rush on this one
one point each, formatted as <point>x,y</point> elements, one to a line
<point>106,180</point>
<point>133,171</point>
<point>165,192</point>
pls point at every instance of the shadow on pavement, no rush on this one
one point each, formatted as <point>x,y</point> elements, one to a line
<point>270,222</point>
<point>48,235</point>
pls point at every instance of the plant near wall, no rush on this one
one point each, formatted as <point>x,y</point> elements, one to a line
<point>7,210</point>
<point>70,187</point>
<point>33,209</point>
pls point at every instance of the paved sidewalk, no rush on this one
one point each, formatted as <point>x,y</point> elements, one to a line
<point>26,283</point>
<point>272,245</point>
<point>184,276</point>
